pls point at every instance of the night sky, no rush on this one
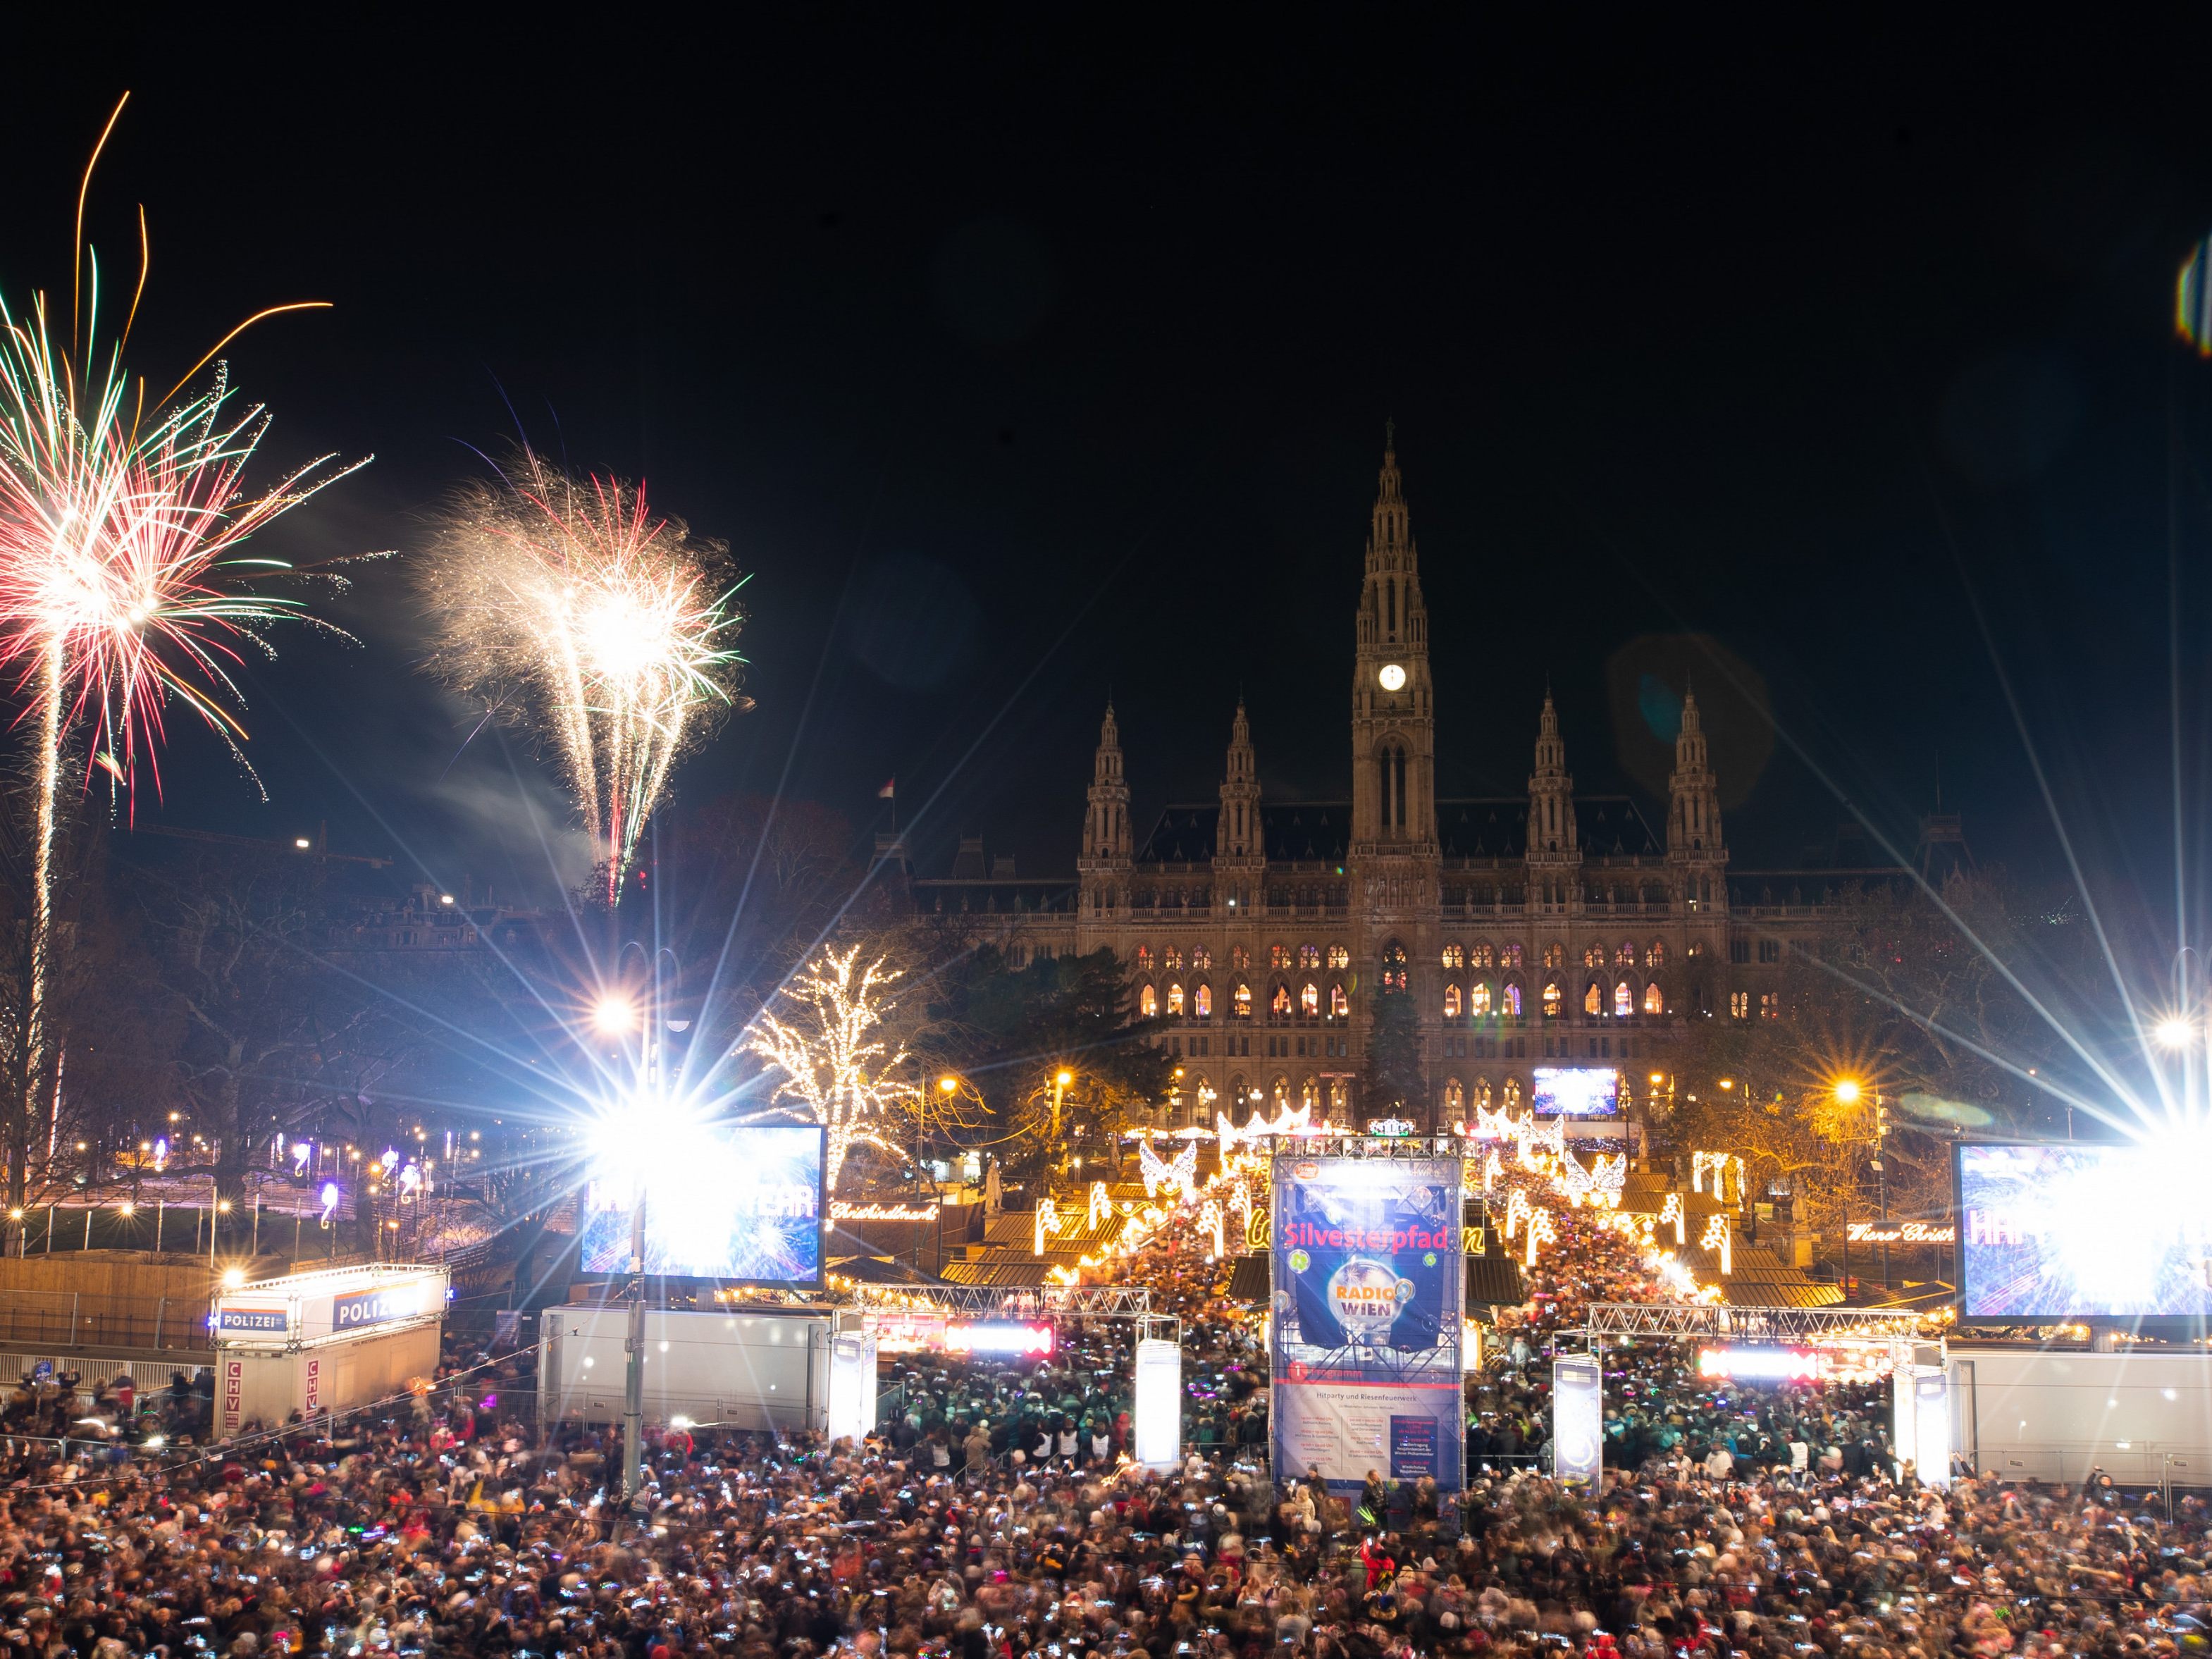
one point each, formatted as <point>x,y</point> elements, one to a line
<point>1018,361</point>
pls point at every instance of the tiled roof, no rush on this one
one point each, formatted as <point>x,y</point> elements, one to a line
<point>1015,1275</point>
<point>1797,1294</point>
<point>1495,1281</point>
<point>1490,827</point>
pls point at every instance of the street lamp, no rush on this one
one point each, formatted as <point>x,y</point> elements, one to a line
<point>615,1014</point>
<point>1060,1079</point>
<point>645,1126</point>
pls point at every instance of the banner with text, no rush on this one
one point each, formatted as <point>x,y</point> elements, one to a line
<point>1369,1281</point>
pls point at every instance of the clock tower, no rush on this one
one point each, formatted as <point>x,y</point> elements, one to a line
<point>1393,862</point>
<point>1394,765</point>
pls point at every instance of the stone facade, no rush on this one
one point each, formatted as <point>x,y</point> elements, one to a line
<point>1551,929</point>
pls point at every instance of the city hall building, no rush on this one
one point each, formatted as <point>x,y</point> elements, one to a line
<point>1547,930</point>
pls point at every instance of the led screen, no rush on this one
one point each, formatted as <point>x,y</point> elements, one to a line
<point>1575,1091</point>
<point>741,1204</point>
<point>2083,1232</point>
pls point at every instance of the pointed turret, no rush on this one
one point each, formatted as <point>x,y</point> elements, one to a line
<point>1694,846</point>
<point>1106,836</point>
<point>1694,816</point>
<point>1238,835</point>
<point>1551,795</point>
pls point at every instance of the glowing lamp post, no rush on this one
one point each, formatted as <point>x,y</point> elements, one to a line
<point>646,1128</point>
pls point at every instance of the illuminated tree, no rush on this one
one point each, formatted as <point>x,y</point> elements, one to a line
<point>835,1064</point>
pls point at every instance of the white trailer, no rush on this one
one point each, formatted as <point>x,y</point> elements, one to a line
<point>326,1341</point>
<point>766,1369</point>
<point>2030,1414</point>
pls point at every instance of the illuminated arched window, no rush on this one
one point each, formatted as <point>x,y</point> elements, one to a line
<point>1309,956</point>
<point>1243,1001</point>
<point>1200,957</point>
<point>1340,1004</point>
<point>1201,1001</point>
<point>1171,959</point>
<point>1625,956</point>
<point>1511,1002</point>
<point>1455,1096</point>
<point>1509,956</point>
<point>1482,1092</point>
<point>1513,1095</point>
<point>1555,955</point>
<point>1309,1000</point>
<point>1624,1000</point>
<point>1478,998</point>
<point>1309,1093</point>
<point>1278,956</point>
<point>1593,955</point>
<point>1653,1002</point>
<point>1239,958</point>
<point>1148,1002</point>
<point>1554,998</point>
<point>1144,959</point>
<point>1592,999</point>
<point>1282,1099</point>
<point>1480,956</point>
<point>1452,1005</point>
<point>1655,955</point>
<point>1340,1095</point>
<point>1175,999</point>
<point>1455,956</point>
<point>1280,1004</point>
<point>1340,956</point>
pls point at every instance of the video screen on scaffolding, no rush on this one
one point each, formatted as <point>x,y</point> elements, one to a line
<point>743,1205</point>
<point>2082,1230</point>
<point>1575,1091</point>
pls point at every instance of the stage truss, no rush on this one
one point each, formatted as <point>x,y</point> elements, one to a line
<point>1696,1320</point>
<point>999,1301</point>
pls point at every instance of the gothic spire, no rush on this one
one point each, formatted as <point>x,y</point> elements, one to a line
<point>1551,792</point>
<point>1237,833</point>
<point>1390,539</point>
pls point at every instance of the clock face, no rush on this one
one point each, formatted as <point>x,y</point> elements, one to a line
<point>1392,676</point>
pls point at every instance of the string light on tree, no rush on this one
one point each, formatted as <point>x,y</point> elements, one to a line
<point>834,1063</point>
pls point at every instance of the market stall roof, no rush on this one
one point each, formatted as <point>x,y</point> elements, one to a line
<point>1495,1281</point>
<point>1249,1282</point>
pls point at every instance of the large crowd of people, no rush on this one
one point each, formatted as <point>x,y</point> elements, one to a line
<point>993,1516</point>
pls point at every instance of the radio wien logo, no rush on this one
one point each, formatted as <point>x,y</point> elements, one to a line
<point>1365,1297</point>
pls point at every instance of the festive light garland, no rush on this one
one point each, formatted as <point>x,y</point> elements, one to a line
<point>844,1209</point>
<point>1210,1216</point>
<point>1541,1230</point>
<point>1720,1235</point>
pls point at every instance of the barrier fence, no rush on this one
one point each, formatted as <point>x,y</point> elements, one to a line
<point>66,1319</point>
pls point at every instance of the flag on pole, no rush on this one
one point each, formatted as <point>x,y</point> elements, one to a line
<point>889,791</point>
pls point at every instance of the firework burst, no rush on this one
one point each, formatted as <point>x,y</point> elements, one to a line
<point>119,530</point>
<point>118,552</point>
<point>563,603</point>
